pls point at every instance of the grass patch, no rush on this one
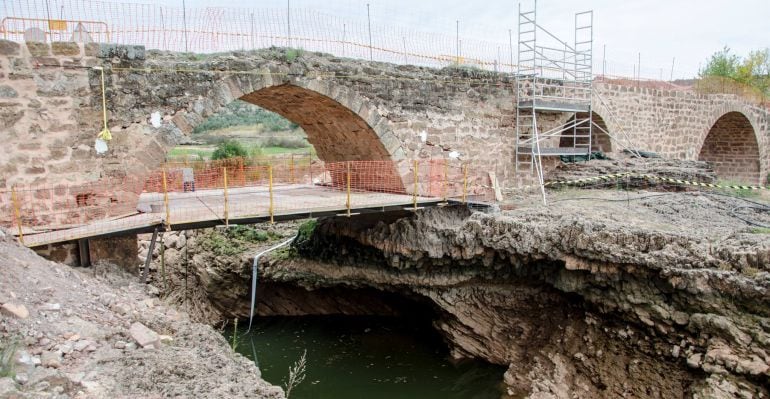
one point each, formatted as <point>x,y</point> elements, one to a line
<point>737,192</point>
<point>7,358</point>
<point>196,154</point>
<point>759,230</point>
<point>201,153</point>
<point>235,240</point>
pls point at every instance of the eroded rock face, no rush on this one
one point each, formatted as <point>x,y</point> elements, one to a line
<point>665,298</point>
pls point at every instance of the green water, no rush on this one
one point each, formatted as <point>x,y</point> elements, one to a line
<point>365,357</point>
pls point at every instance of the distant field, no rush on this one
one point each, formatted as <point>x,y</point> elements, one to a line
<point>254,138</point>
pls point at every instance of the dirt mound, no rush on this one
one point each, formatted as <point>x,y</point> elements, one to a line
<point>96,333</point>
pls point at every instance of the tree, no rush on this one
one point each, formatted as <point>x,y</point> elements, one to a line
<point>755,70</point>
<point>229,149</point>
<point>722,63</point>
<point>752,71</point>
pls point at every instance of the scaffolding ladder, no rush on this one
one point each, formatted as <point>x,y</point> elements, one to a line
<point>554,77</point>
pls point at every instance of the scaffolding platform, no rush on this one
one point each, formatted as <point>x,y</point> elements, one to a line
<point>554,106</point>
<point>554,76</point>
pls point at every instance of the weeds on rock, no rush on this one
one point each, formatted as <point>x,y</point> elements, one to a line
<point>296,374</point>
<point>236,339</point>
<point>7,352</point>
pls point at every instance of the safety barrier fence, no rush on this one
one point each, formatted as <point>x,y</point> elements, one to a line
<point>194,193</point>
<point>344,32</point>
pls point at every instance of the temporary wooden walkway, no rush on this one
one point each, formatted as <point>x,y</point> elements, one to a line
<point>245,205</point>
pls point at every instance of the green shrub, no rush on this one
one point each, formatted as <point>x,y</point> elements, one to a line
<point>7,358</point>
<point>285,142</point>
<point>292,54</point>
<point>229,149</point>
<point>241,113</point>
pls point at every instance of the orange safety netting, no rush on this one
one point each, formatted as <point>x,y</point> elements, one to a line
<point>238,188</point>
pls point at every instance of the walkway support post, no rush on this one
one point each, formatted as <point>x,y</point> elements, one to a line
<point>465,183</point>
<point>291,168</point>
<point>17,212</point>
<point>310,165</point>
<point>445,185</point>
<point>270,188</point>
<point>148,259</point>
<point>414,191</point>
<point>347,202</point>
<point>165,201</point>
<point>227,210</point>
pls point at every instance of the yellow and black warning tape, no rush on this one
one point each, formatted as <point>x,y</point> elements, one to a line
<point>614,176</point>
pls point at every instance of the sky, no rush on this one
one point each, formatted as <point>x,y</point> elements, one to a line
<point>657,34</point>
<point>682,32</point>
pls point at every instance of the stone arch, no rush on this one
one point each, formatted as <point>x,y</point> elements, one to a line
<point>732,148</point>
<point>337,133</point>
<point>341,124</point>
<point>599,140</point>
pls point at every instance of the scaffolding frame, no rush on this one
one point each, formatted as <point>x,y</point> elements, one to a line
<point>553,77</point>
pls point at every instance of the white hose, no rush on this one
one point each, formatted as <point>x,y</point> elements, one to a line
<point>254,276</point>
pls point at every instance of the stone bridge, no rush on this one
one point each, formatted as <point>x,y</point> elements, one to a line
<point>50,109</point>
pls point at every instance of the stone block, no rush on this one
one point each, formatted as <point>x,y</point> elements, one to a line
<point>91,49</point>
<point>121,251</point>
<point>123,52</point>
<point>65,48</point>
<point>144,336</point>
<point>8,47</point>
<point>8,92</point>
<point>14,309</point>
<point>38,49</point>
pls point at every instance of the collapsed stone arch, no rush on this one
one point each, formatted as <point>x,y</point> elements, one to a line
<point>732,148</point>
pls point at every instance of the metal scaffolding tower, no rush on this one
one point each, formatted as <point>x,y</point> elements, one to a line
<point>553,77</point>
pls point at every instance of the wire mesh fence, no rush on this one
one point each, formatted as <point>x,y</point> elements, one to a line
<point>222,29</point>
<point>231,190</point>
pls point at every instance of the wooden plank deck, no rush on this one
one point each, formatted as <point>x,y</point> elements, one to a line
<point>206,208</point>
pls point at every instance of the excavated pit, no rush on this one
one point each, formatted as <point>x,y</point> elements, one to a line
<point>658,295</point>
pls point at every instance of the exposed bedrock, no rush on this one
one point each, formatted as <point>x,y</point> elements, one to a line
<point>641,303</point>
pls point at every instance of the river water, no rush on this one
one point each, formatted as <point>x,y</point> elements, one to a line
<point>365,357</point>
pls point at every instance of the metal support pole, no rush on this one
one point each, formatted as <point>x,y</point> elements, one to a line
<point>465,183</point>
<point>369,20</point>
<point>150,250</point>
<point>288,22</point>
<point>291,168</point>
<point>310,165</point>
<point>458,41</point>
<point>445,185</point>
<point>604,62</point>
<point>510,45</point>
<point>414,193</point>
<point>405,59</point>
<point>270,185</point>
<point>639,71</point>
<point>165,201</point>
<point>227,211</point>
<point>673,61</point>
<point>184,22</point>
<point>163,264</point>
<point>84,250</point>
<point>347,203</point>
<point>17,212</point>
<point>253,44</point>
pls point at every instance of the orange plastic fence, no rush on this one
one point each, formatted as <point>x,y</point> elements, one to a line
<point>237,188</point>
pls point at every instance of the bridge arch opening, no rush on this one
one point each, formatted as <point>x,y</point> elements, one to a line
<point>341,133</point>
<point>337,132</point>
<point>600,141</point>
<point>732,149</point>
